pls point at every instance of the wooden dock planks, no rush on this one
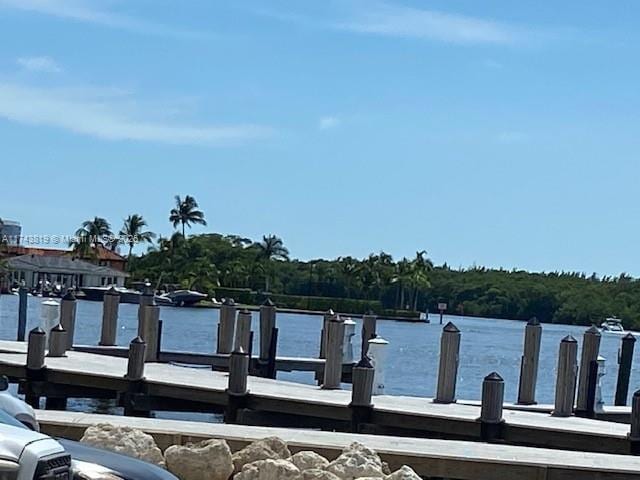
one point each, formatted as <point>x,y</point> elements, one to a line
<point>428,457</point>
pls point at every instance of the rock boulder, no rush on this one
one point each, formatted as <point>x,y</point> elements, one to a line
<point>124,440</point>
<point>206,460</point>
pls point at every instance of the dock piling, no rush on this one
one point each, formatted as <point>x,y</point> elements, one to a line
<point>267,324</point>
<point>333,363</point>
<point>68,317</point>
<point>22,311</point>
<point>237,387</point>
<point>226,326</point>
<point>529,363</point>
<point>326,318</point>
<point>135,400</point>
<point>590,349</point>
<point>448,367</point>
<point>148,329</point>
<point>491,420</point>
<point>136,359</point>
<point>110,305</point>
<point>347,344</point>
<point>634,431</point>
<point>378,355</point>
<point>625,360</point>
<point>58,341</point>
<point>361,392</point>
<point>369,322</point>
<point>567,376</point>
<point>243,331</point>
<point>35,365</point>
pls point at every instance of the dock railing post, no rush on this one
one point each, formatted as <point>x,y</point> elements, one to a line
<point>268,339</point>
<point>590,350</point>
<point>634,431</point>
<point>566,377</point>
<point>35,365</point>
<point>148,329</point>
<point>448,367</point>
<point>625,360</point>
<point>529,363</point>
<point>333,362</point>
<point>22,311</point>
<point>361,392</point>
<point>243,331</point>
<point>110,305</point>
<point>326,318</point>
<point>68,316</point>
<point>133,400</point>
<point>57,342</point>
<point>237,387</point>
<point>226,326</point>
<point>369,322</point>
<point>491,420</point>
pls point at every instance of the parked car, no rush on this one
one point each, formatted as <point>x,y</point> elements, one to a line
<point>87,462</point>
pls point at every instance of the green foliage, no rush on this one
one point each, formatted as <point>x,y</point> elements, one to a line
<point>237,267</point>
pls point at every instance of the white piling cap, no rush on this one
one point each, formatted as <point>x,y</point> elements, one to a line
<point>51,303</point>
<point>378,341</point>
<point>348,321</point>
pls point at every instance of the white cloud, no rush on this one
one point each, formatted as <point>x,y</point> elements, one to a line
<point>111,115</point>
<point>86,11</point>
<point>392,20</point>
<point>39,64</point>
<point>327,122</point>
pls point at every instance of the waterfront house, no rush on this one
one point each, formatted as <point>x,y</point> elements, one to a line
<point>64,270</point>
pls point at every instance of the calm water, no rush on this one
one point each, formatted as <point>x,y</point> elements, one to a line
<point>487,345</point>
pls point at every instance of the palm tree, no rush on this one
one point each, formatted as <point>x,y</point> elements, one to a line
<point>91,234</point>
<point>186,213</point>
<point>271,248</point>
<point>133,230</point>
<point>419,280</point>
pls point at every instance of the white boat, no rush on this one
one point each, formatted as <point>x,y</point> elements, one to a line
<point>612,325</point>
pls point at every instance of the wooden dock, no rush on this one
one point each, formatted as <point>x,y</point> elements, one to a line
<point>274,402</point>
<point>428,457</point>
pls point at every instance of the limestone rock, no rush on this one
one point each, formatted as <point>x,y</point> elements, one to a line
<point>125,440</point>
<point>405,473</point>
<point>269,470</point>
<point>306,460</point>
<point>272,448</point>
<point>206,460</point>
<point>357,461</point>
<point>385,468</point>
<point>317,474</point>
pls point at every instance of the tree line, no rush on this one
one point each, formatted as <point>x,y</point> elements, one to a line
<point>232,265</point>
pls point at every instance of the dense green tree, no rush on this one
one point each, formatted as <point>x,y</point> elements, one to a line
<point>271,248</point>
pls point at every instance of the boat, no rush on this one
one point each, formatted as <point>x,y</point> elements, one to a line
<point>184,298</point>
<point>612,325</point>
<point>127,295</point>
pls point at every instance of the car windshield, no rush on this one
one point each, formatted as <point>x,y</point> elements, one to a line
<point>7,419</point>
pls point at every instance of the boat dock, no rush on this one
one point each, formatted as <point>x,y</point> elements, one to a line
<point>428,457</point>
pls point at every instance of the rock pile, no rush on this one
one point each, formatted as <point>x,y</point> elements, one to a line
<point>266,459</point>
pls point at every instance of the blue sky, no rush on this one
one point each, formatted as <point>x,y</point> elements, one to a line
<point>496,133</point>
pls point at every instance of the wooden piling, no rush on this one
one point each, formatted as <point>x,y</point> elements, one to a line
<point>529,363</point>
<point>226,326</point>
<point>22,312</point>
<point>35,365</point>
<point>148,329</point>
<point>136,360</point>
<point>369,322</point>
<point>243,331</point>
<point>110,305</point>
<point>57,341</point>
<point>625,360</point>
<point>634,431</point>
<point>590,350</point>
<point>333,363</point>
<point>328,315</point>
<point>237,390</point>
<point>566,377</point>
<point>267,324</point>
<point>491,407</point>
<point>68,317</point>
<point>448,368</point>
<point>361,392</point>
